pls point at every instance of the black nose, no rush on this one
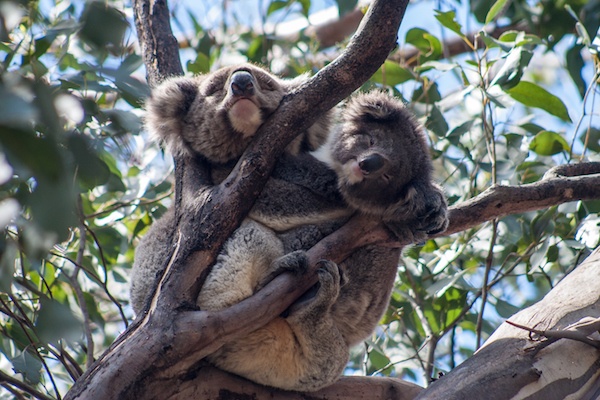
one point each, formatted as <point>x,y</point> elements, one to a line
<point>371,163</point>
<point>242,83</point>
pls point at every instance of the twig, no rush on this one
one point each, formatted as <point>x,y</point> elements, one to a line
<point>23,386</point>
<point>571,332</point>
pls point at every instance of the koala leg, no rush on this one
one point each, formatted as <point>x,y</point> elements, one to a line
<point>303,352</point>
<point>323,348</point>
<point>245,259</point>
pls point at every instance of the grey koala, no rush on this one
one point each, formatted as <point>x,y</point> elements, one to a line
<point>214,116</point>
<point>382,167</point>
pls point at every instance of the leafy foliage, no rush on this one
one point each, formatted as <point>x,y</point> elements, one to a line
<point>79,182</point>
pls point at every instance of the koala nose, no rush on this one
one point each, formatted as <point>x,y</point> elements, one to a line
<point>242,83</point>
<point>371,163</point>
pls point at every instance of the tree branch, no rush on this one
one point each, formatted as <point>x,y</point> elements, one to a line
<point>495,202</point>
<point>560,185</point>
<point>572,332</point>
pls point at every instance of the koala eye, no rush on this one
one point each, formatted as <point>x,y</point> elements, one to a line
<point>267,85</point>
<point>371,141</point>
<point>214,87</point>
<point>386,178</point>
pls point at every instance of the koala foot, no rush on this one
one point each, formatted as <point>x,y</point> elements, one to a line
<point>318,300</point>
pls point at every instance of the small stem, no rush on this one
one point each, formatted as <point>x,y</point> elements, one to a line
<point>484,287</point>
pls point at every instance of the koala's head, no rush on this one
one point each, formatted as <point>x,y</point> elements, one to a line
<point>377,151</point>
<point>216,115</point>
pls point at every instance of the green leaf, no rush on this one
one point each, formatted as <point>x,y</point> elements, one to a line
<point>345,6</point>
<point>379,361</point>
<point>102,25</point>
<point>276,5</point>
<point>575,66</point>
<point>439,66</point>
<point>533,95</point>
<point>511,72</point>
<point>391,74</point>
<point>591,138</point>
<point>91,170</point>
<point>305,7</point>
<point>494,10</point>
<point>448,19</point>
<point>436,122</point>
<point>430,96</point>
<point>505,309</point>
<point>28,365</point>
<point>429,45</point>
<point>547,143</point>
<point>200,65</point>
<point>56,321</point>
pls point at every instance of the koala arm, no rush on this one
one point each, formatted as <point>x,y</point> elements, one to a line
<point>301,191</point>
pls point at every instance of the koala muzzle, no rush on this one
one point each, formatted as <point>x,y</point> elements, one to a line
<point>242,84</point>
<point>371,163</point>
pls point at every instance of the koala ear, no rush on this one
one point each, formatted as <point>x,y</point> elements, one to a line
<point>168,104</point>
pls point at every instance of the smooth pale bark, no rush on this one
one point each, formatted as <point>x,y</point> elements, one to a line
<point>517,364</point>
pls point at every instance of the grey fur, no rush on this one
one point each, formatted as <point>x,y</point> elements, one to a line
<point>198,115</point>
<point>308,348</point>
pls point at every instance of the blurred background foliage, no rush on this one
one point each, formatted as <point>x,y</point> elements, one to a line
<point>80,182</point>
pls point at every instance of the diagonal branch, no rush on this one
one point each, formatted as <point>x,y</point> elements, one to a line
<point>227,204</point>
<point>559,186</point>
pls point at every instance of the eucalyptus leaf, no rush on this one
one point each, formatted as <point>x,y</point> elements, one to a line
<point>548,143</point>
<point>448,19</point>
<point>533,95</point>
<point>391,74</point>
<point>498,6</point>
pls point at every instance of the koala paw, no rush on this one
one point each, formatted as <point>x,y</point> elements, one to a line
<point>318,300</point>
<point>435,214</point>
<point>424,212</point>
<point>295,262</point>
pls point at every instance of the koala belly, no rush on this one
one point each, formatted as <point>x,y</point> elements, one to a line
<point>270,356</point>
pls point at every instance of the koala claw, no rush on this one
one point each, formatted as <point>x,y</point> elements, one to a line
<point>312,305</point>
<point>332,269</point>
<point>295,262</point>
<point>435,222</point>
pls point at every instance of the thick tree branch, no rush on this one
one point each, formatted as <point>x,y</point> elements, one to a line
<point>254,312</point>
<point>159,47</point>
<point>558,186</point>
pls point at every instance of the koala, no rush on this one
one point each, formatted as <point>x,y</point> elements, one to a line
<point>217,114</point>
<point>213,116</point>
<point>379,156</point>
